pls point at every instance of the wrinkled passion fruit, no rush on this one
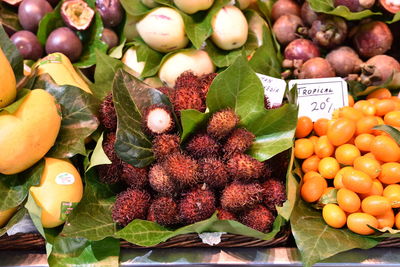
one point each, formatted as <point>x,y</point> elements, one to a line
<point>27,44</point>
<point>316,68</point>
<point>77,14</point>
<point>355,5</point>
<point>30,12</point>
<point>65,41</point>
<point>328,31</point>
<point>378,69</point>
<point>110,11</point>
<point>286,28</point>
<point>391,6</point>
<point>344,61</point>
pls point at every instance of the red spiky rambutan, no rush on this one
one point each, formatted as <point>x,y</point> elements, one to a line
<point>258,218</point>
<point>110,173</point>
<point>213,172</point>
<point>129,205</point>
<point>107,114</point>
<point>164,211</point>
<point>226,215</point>
<point>186,79</point>
<point>197,205</point>
<point>187,98</point>
<point>204,83</point>
<point>274,194</point>
<point>222,123</point>
<point>238,142</point>
<point>244,167</point>
<point>203,145</point>
<point>238,196</point>
<point>158,119</point>
<point>182,169</point>
<point>160,181</point>
<point>267,103</point>
<point>165,144</point>
<point>134,177</point>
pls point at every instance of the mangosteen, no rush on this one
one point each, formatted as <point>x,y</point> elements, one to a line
<point>308,15</point>
<point>378,69</point>
<point>344,61</point>
<point>316,68</point>
<point>284,7</point>
<point>27,44</point>
<point>286,28</point>
<point>65,41</point>
<point>301,49</point>
<point>328,31</point>
<point>110,38</point>
<point>77,14</point>
<point>30,12</point>
<point>355,5</point>
<point>110,11</point>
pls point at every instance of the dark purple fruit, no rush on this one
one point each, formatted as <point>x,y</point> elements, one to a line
<point>65,41</point>
<point>77,14</point>
<point>307,14</point>
<point>110,11</point>
<point>372,38</point>
<point>328,31</point>
<point>301,49</point>
<point>286,28</point>
<point>316,68</point>
<point>390,6</point>
<point>378,70</point>
<point>284,7</point>
<point>355,5</point>
<point>30,12</point>
<point>110,38</point>
<point>27,44</point>
<point>344,61</point>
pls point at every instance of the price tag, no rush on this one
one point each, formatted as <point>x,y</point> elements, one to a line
<point>318,98</point>
<point>274,88</point>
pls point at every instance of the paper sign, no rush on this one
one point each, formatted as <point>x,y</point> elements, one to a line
<point>274,88</point>
<point>318,98</point>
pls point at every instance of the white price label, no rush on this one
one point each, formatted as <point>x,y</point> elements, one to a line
<point>274,88</point>
<point>318,98</point>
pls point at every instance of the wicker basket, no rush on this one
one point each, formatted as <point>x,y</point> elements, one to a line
<point>36,242</point>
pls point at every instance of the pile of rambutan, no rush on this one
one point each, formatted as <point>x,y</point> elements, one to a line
<point>188,182</point>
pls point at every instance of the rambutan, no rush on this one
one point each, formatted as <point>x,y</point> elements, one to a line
<point>186,79</point>
<point>110,173</point>
<point>165,144</point>
<point>274,194</point>
<point>107,114</point>
<point>222,123</point>
<point>182,169</point>
<point>197,205</point>
<point>160,181</point>
<point>129,205</point>
<point>203,145</point>
<point>213,172</point>
<point>244,167</point>
<point>188,98</point>
<point>238,196</point>
<point>258,218</point>
<point>164,211</point>
<point>238,142</point>
<point>134,177</point>
<point>204,83</point>
<point>158,119</point>
<point>226,215</point>
<point>267,103</point>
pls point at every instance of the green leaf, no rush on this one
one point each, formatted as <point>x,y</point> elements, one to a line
<point>394,133</point>
<point>116,52</point>
<point>50,22</point>
<point>35,212</point>
<point>395,18</point>
<point>9,18</point>
<point>265,7</point>
<point>318,241</point>
<point>327,7</point>
<point>91,219</point>
<point>21,94</point>
<point>98,157</point>
<point>134,7</point>
<point>12,54</point>
<point>222,58</point>
<point>152,58</point>
<point>131,98</point>
<point>13,220</point>
<point>15,188</point>
<point>192,120</point>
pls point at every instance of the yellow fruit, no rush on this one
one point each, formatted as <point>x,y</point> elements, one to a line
<point>358,223</point>
<point>334,216</point>
<point>60,68</point>
<point>8,86</point>
<point>376,205</point>
<point>348,200</point>
<point>59,191</point>
<point>386,220</point>
<point>5,215</point>
<point>29,133</point>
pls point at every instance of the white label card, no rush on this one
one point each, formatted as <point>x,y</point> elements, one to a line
<point>274,88</point>
<point>318,98</point>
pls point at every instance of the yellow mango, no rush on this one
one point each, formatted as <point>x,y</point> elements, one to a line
<point>8,84</point>
<point>59,191</point>
<point>29,133</point>
<point>60,68</point>
<point>5,215</point>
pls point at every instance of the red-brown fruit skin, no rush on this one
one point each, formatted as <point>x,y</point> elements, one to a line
<point>186,79</point>
<point>238,142</point>
<point>203,145</point>
<point>205,82</point>
<point>188,98</point>
<point>197,205</point>
<point>245,168</point>
<point>110,173</point>
<point>165,144</point>
<point>182,169</point>
<point>107,114</point>
<point>274,194</point>
<point>164,211</point>
<point>258,218</point>
<point>213,172</point>
<point>160,181</point>
<point>222,123</point>
<point>129,205</point>
<point>239,196</point>
<point>145,119</point>
<point>168,91</point>
<point>134,177</point>
<point>226,215</point>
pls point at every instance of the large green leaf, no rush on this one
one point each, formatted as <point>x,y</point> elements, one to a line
<point>21,94</point>
<point>9,18</point>
<point>12,54</point>
<point>134,7</point>
<point>151,57</point>
<point>131,98</point>
<point>192,120</point>
<point>265,7</point>
<point>13,220</point>
<point>50,22</point>
<point>394,133</point>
